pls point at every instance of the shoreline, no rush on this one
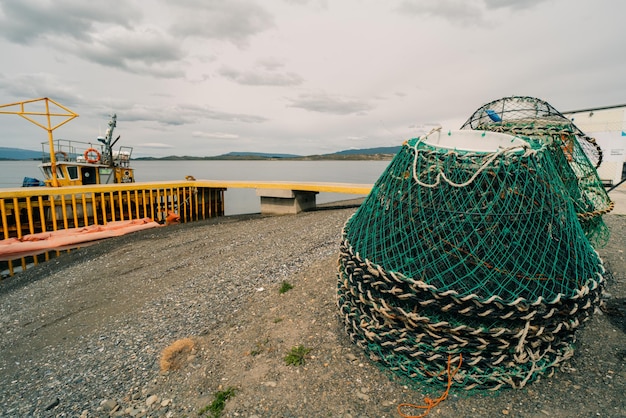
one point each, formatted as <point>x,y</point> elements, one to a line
<point>83,334</point>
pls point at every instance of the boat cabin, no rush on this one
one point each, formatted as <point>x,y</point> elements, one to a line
<point>82,163</point>
<point>75,163</point>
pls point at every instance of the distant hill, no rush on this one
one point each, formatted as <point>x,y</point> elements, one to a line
<point>378,153</point>
<point>259,154</point>
<point>19,154</point>
<point>229,156</point>
<point>369,151</point>
<point>351,154</point>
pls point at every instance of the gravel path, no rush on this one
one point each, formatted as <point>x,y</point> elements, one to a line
<point>83,334</point>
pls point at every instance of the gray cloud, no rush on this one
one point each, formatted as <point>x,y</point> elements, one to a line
<point>214,135</point>
<point>391,64</point>
<point>157,145</point>
<point>319,3</point>
<point>513,4</point>
<point>33,86</point>
<point>117,37</point>
<point>184,114</point>
<point>97,32</point>
<point>325,103</point>
<point>463,11</point>
<point>270,64</point>
<point>23,21</point>
<point>233,21</point>
<point>467,12</point>
<point>267,76</point>
<point>146,51</point>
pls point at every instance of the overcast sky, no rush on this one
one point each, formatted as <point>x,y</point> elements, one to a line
<point>206,77</point>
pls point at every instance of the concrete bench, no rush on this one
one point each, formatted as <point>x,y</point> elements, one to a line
<point>285,202</point>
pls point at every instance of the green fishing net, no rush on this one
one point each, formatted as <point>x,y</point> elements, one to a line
<point>577,155</point>
<point>473,244</point>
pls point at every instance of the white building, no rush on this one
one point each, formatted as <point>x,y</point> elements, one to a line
<point>608,126</point>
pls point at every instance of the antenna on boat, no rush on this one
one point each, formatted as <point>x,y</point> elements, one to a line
<point>106,139</point>
<point>29,116</point>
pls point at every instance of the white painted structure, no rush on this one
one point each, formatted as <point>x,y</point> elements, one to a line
<point>608,126</point>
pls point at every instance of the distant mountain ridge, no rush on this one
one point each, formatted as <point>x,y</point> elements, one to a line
<point>19,154</point>
<point>365,153</point>
<point>259,154</point>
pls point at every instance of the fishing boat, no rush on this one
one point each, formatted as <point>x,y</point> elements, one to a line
<point>88,186</point>
<point>74,163</point>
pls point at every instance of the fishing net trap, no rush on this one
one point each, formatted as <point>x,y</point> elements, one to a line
<point>471,249</point>
<point>578,155</point>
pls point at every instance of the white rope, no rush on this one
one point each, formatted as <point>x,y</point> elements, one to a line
<point>522,339</point>
<point>441,175</point>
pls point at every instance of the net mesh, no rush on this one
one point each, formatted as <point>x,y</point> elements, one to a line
<point>533,116</point>
<point>577,154</point>
<point>475,244</point>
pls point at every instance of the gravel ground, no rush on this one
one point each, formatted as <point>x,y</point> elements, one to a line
<point>84,333</point>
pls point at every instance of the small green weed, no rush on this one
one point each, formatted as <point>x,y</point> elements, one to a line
<point>285,287</point>
<point>296,357</point>
<point>219,403</point>
<point>260,346</point>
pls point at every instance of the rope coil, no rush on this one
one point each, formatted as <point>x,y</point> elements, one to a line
<point>498,353</point>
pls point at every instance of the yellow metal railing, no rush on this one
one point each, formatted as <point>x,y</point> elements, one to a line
<point>31,210</point>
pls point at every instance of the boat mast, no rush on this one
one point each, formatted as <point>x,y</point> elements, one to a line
<point>107,140</point>
<point>29,115</point>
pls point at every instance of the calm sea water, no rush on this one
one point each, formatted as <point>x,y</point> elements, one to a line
<point>237,201</point>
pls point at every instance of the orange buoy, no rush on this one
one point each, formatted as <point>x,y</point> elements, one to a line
<point>172,218</point>
<point>62,154</point>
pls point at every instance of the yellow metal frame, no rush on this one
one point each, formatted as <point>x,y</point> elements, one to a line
<point>31,210</point>
<point>345,188</point>
<point>66,207</point>
<point>68,115</point>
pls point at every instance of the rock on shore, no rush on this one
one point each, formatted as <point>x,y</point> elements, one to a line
<point>82,335</point>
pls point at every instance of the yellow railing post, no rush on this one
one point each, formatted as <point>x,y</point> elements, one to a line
<point>16,214</point>
<point>29,213</point>
<point>42,213</point>
<point>53,213</point>
<point>5,225</point>
<point>64,212</point>
<point>74,211</point>
<point>201,199</point>
<point>85,209</point>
